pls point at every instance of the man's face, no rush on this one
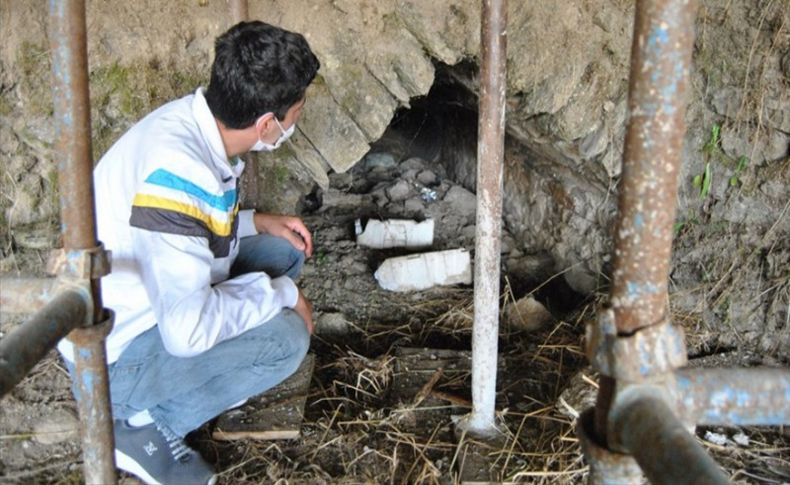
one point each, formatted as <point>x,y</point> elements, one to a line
<point>270,129</point>
<point>293,114</point>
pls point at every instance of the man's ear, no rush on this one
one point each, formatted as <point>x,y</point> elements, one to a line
<point>265,125</point>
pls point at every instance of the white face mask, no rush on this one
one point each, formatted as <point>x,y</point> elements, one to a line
<point>260,146</point>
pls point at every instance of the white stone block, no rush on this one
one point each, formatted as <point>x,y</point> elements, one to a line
<point>425,270</point>
<point>395,233</point>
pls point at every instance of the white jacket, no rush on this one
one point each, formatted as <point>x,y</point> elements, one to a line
<point>167,208</point>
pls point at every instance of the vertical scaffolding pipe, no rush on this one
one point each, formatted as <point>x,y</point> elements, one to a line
<point>490,163</point>
<point>239,10</point>
<point>660,60</point>
<point>73,129</point>
<point>75,166</point>
<point>72,113</point>
<point>93,390</point>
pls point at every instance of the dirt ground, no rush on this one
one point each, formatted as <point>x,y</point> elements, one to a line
<point>363,422</point>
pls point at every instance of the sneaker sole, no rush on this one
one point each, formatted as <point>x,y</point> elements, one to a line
<point>130,465</point>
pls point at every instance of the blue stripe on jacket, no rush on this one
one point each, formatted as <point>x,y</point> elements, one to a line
<point>163,178</point>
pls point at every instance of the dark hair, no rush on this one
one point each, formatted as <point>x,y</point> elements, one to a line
<point>258,68</point>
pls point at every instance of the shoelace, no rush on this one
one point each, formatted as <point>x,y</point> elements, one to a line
<point>178,448</point>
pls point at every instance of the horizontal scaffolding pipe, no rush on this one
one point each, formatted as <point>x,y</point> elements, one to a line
<point>27,344</point>
<point>25,295</point>
<point>734,397</point>
<point>667,453</point>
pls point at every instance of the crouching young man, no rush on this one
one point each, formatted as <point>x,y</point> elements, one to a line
<point>207,311</point>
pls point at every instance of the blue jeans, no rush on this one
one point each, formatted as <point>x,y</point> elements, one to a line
<point>184,393</point>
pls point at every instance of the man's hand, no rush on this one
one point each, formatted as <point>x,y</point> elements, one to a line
<point>289,227</point>
<point>305,310</point>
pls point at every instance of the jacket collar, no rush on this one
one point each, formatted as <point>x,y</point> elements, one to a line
<point>210,131</point>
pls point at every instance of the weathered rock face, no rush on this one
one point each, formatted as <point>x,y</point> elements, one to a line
<point>566,100</point>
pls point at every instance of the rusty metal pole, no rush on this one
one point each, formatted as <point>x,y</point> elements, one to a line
<point>27,344</point>
<point>660,60</point>
<point>75,166</point>
<point>25,295</point>
<point>734,397</point>
<point>93,391</point>
<point>666,452</point>
<point>490,165</point>
<point>240,12</point>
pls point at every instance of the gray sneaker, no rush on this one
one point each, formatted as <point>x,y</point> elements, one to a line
<point>157,456</point>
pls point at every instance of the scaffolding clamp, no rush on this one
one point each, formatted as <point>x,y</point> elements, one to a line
<point>77,269</point>
<point>642,356</point>
<point>80,264</point>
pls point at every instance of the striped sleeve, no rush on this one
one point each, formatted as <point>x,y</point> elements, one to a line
<point>171,204</point>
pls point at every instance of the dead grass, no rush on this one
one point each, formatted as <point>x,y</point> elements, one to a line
<point>359,431</point>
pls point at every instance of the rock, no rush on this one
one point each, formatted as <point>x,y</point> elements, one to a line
<point>414,206</point>
<point>527,314</point>
<point>774,189</point>
<point>8,142</point>
<point>62,425</point>
<point>507,243</point>
<point>423,271</point>
<point>413,163</point>
<point>427,177</point>
<point>335,199</point>
<point>594,143</point>
<point>727,101</point>
<point>398,192</point>
<point>463,201</point>
<point>581,280</point>
<point>379,159</point>
<point>410,174</point>
<point>785,64</point>
<point>341,181</point>
<point>771,145</point>
<point>325,137</point>
<point>333,324</point>
<point>469,233</point>
<point>36,236</point>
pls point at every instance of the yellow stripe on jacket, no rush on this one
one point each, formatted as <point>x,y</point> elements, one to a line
<point>217,227</point>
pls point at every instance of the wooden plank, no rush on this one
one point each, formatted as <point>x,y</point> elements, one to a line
<point>274,415</point>
<point>415,367</point>
<point>475,466</point>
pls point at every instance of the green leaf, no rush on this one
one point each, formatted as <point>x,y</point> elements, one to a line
<point>734,181</point>
<point>707,178</point>
<point>714,134</point>
<point>697,182</point>
<point>742,162</point>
